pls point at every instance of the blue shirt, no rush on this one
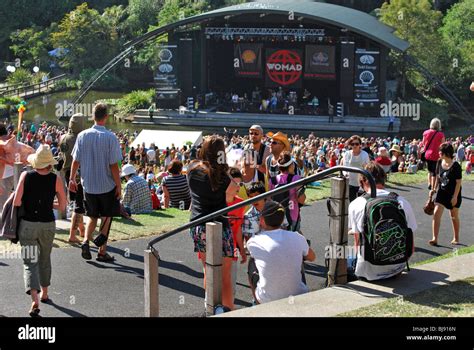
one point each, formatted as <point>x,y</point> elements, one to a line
<point>95,150</point>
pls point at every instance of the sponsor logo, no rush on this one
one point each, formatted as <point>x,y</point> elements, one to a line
<point>366,77</point>
<point>367,59</point>
<point>284,67</point>
<point>165,55</point>
<point>249,57</point>
<point>319,58</point>
<point>165,68</point>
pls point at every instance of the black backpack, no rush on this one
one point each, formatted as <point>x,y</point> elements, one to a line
<point>386,239</point>
<point>283,198</point>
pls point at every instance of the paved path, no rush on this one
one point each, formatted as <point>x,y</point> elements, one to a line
<point>81,288</point>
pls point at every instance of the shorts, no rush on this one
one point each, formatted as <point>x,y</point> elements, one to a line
<point>77,200</point>
<point>198,234</point>
<point>444,198</point>
<point>102,205</point>
<point>432,166</point>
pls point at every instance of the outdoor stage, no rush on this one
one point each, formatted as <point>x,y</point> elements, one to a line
<point>270,122</point>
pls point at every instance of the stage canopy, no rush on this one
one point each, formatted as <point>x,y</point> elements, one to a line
<point>167,138</point>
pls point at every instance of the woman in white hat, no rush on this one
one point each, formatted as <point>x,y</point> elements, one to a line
<point>398,161</point>
<point>36,191</point>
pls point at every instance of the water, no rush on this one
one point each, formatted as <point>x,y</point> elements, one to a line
<point>49,107</point>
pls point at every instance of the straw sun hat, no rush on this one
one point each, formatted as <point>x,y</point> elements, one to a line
<point>42,158</point>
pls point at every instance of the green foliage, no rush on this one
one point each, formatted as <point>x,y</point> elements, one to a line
<point>174,10</point>
<point>135,100</point>
<point>108,81</point>
<point>417,22</point>
<point>89,38</point>
<point>20,76</point>
<point>8,105</point>
<point>458,36</point>
<point>30,45</point>
<point>141,15</point>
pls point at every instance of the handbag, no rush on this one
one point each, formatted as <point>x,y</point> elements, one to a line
<point>429,207</point>
<point>423,156</point>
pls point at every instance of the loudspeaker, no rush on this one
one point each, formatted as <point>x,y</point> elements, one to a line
<point>186,67</point>
<point>168,99</point>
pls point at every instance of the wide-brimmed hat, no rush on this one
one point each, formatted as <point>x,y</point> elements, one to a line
<point>127,170</point>
<point>396,148</point>
<point>42,158</point>
<point>279,136</point>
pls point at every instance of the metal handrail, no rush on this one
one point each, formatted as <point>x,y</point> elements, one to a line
<point>273,192</point>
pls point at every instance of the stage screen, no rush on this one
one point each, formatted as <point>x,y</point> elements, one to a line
<point>320,62</point>
<point>283,67</point>
<point>248,60</point>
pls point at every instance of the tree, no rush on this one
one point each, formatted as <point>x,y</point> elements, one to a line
<point>141,15</point>
<point>30,46</point>
<point>458,36</point>
<point>175,10</point>
<point>90,39</point>
<point>417,22</point>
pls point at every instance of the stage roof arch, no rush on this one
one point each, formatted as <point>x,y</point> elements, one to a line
<point>339,16</point>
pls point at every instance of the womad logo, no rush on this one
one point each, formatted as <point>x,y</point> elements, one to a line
<point>400,110</point>
<point>37,333</point>
<point>284,67</point>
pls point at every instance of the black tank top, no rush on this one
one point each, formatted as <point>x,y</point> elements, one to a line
<point>38,197</point>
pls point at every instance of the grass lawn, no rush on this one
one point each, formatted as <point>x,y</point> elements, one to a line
<point>453,300</point>
<point>455,252</point>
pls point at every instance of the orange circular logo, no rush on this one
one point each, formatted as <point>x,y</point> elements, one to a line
<point>249,56</point>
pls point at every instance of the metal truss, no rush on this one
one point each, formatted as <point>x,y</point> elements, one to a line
<point>295,32</point>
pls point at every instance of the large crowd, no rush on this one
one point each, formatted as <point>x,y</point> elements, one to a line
<point>108,175</point>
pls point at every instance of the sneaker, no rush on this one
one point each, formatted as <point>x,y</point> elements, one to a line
<point>105,257</point>
<point>86,252</point>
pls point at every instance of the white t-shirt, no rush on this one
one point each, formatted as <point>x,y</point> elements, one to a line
<point>8,172</point>
<point>278,256</point>
<point>356,162</point>
<point>356,224</point>
<point>151,155</point>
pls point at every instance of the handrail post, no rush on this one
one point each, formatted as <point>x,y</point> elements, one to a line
<point>338,226</point>
<point>17,169</point>
<point>151,278</point>
<point>213,266</point>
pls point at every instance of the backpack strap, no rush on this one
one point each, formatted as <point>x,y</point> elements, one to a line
<point>273,180</point>
<point>289,179</point>
<point>392,195</point>
<point>261,151</point>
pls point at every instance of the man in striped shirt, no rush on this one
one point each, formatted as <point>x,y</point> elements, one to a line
<point>137,195</point>
<point>97,152</point>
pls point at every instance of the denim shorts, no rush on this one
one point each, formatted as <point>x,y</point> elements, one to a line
<point>198,234</point>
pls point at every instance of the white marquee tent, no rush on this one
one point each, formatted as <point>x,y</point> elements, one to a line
<point>167,138</point>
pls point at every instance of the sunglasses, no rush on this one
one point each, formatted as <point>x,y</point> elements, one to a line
<point>254,133</point>
<point>276,143</point>
<point>355,144</point>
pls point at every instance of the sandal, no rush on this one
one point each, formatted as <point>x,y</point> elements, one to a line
<point>454,242</point>
<point>47,300</point>
<point>73,241</point>
<point>105,257</point>
<point>100,240</point>
<point>34,311</point>
<point>433,242</point>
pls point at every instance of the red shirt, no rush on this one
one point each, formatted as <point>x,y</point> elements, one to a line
<point>432,153</point>
<point>155,201</point>
<point>383,161</point>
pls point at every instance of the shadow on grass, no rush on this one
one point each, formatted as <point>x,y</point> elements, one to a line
<point>447,297</point>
